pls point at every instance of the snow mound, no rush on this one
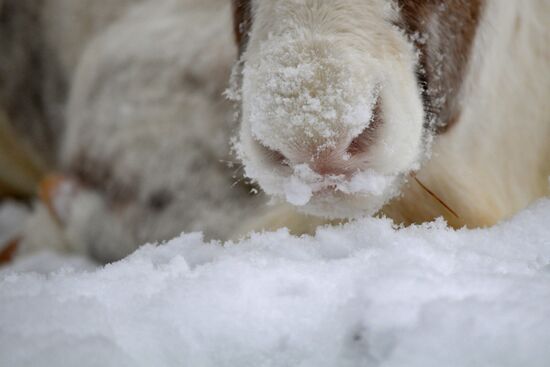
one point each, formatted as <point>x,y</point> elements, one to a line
<point>365,294</point>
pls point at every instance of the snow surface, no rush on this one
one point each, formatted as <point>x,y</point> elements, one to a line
<point>365,294</point>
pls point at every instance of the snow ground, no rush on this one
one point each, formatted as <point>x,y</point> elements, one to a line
<point>365,294</point>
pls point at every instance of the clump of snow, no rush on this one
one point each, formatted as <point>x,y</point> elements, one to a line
<point>297,192</point>
<point>300,186</point>
<point>364,294</point>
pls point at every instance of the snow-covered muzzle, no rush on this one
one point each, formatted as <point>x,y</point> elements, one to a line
<point>331,112</point>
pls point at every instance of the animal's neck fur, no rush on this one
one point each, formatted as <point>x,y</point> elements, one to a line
<point>494,162</point>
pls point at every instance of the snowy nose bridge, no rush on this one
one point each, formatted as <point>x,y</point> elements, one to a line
<point>307,97</point>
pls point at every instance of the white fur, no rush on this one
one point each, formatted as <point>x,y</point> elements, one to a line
<point>313,70</point>
<point>491,164</point>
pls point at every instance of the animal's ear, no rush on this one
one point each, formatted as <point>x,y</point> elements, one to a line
<point>444,33</point>
<point>242,21</point>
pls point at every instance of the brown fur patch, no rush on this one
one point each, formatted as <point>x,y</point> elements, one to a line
<point>444,32</point>
<point>242,22</point>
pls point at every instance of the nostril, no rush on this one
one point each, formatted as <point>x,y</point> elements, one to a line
<point>279,157</point>
<point>361,143</point>
<point>275,156</point>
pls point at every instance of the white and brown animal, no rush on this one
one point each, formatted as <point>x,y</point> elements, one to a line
<point>417,109</point>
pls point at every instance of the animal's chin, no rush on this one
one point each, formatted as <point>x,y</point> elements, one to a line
<point>334,197</point>
<point>334,203</point>
<point>338,205</point>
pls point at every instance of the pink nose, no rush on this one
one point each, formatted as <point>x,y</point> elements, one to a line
<point>330,163</point>
<point>341,160</point>
<point>345,158</point>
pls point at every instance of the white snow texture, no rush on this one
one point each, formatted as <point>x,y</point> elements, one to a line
<point>364,294</point>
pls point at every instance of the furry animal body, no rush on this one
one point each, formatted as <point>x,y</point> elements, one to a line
<point>416,109</point>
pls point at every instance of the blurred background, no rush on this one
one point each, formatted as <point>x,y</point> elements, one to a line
<point>114,130</point>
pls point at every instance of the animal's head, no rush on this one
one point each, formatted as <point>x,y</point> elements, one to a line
<point>340,99</point>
